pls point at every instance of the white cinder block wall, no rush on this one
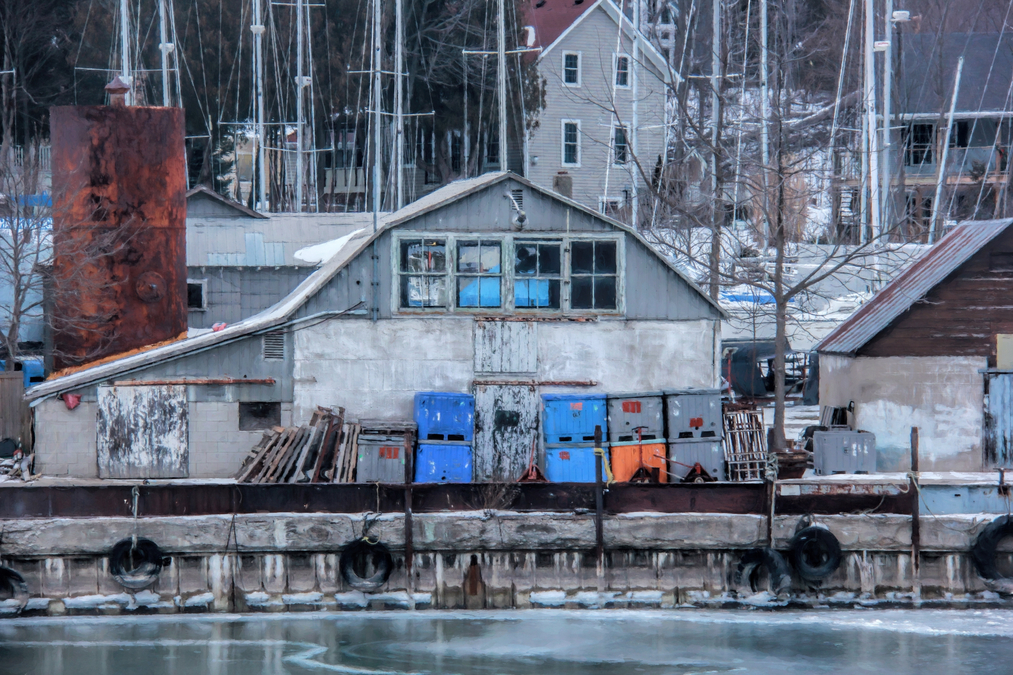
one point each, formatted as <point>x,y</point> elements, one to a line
<point>65,439</point>
<point>941,395</point>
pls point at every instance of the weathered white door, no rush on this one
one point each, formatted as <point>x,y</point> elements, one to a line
<point>143,432</point>
<point>998,432</point>
<point>506,426</point>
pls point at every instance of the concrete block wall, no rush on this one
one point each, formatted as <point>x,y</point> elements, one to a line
<point>65,443</point>
<point>217,446</point>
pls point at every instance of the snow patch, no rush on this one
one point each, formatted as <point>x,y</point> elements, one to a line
<point>97,601</point>
<point>548,598</point>
<point>200,600</point>
<point>303,598</point>
<point>320,253</point>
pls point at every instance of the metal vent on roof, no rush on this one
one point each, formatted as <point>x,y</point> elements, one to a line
<point>518,196</point>
<point>274,346</point>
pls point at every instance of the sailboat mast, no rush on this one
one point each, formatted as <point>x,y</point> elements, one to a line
<point>299,112</point>
<point>501,83</point>
<point>870,120</point>
<point>125,69</point>
<point>376,110</point>
<point>634,121</point>
<point>887,95</point>
<point>399,98</point>
<point>258,83</point>
<point>764,123</point>
<point>164,47</point>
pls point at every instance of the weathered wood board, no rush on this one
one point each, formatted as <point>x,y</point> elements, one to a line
<point>143,432</point>
<point>506,424</point>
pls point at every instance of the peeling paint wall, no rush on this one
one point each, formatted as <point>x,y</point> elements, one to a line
<point>941,395</point>
<point>374,369</point>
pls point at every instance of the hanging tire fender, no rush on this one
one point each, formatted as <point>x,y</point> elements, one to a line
<point>777,571</point>
<point>136,565</point>
<point>377,553</point>
<point>13,591</point>
<point>815,553</point>
<point>983,554</point>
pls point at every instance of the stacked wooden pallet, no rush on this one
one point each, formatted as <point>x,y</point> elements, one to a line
<point>745,445</point>
<point>322,451</point>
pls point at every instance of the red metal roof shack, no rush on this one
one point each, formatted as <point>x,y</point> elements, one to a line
<point>898,296</point>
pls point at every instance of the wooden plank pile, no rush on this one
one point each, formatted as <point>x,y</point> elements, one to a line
<point>745,445</point>
<point>322,451</point>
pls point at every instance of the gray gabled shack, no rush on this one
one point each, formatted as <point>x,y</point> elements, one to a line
<point>490,285</point>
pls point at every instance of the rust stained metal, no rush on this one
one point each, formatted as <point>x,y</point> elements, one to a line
<point>911,285</point>
<point>119,230</point>
<point>187,381</point>
<point>536,383</point>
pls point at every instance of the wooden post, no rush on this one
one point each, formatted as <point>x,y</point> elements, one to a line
<point>599,531</point>
<point>916,542</point>
<point>408,542</point>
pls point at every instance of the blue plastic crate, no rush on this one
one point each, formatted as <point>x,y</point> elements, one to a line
<point>572,464</point>
<point>443,463</point>
<point>571,418</point>
<point>445,416</point>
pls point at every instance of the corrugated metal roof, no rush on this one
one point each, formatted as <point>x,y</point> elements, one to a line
<point>911,285</point>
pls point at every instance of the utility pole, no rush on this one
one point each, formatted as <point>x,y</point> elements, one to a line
<point>765,122</point>
<point>299,112</point>
<point>501,83</point>
<point>125,70</point>
<point>258,84</point>
<point>870,121</point>
<point>399,99</point>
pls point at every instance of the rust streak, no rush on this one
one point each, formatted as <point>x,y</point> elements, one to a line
<point>195,381</point>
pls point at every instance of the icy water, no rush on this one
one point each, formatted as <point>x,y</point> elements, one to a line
<point>543,642</point>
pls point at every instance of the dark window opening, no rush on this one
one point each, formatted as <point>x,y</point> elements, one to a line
<point>571,69</point>
<point>621,146</point>
<point>537,272</point>
<point>260,415</point>
<point>593,275</point>
<point>571,149</point>
<point>195,295</point>
<point>960,134</point>
<point>622,71</point>
<point>456,152</point>
<point>1000,262</point>
<point>919,142</point>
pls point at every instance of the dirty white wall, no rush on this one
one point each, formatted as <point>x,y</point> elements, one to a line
<point>374,369</point>
<point>941,395</point>
<point>65,440</point>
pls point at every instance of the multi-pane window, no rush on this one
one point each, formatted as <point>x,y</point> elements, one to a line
<point>622,71</point>
<point>423,268</point>
<point>479,274</point>
<point>571,69</point>
<point>537,272</point>
<point>620,145</point>
<point>593,277</point>
<point>571,143</point>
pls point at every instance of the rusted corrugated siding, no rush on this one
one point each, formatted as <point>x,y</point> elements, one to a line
<point>911,285</point>
<point>143,432</point>
<point>119,229</point>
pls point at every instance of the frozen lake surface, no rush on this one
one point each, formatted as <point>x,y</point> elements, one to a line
<point>543,642</point>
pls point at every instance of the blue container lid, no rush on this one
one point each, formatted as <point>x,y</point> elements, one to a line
<point>636,394</point>
<point>573,397</point>
<point>443,394</point>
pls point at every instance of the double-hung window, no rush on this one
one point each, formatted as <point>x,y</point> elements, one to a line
<point>571,143</point>
<point>479,274</point>
<point>620,145</point>
<point>423,272</point>
<point>571,69</point>
<point>537,274</point>
<point>593,275</point>
<point>622,70</point>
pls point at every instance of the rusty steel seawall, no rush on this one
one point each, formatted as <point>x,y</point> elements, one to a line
<point>119,230</point>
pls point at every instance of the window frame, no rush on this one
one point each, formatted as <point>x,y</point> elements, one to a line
<point>619,276</point>
<point>615,70</point>
<point>562,143</point>
<point>508,241</point>
<point>563,257</point>
<point>478,276</point>
<point>580,67</point>
<point>447,273</point>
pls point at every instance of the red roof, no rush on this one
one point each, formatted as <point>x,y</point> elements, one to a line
<point>552,17</point>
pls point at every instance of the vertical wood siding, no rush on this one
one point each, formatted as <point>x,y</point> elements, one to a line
<point>506,425</point>
<point>11,404</point>
<point>506,347</point>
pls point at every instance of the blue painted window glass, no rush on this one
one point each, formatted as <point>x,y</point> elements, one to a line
<point>537,271</point>
<point>479,274</point>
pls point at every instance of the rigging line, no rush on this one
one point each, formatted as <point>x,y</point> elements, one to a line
<point>742,109</point>
<point>840,78</point>
<point>175,53</point>
<point>359,11</point>
<point>981,102</point>
<point>615,112</point>
<point>80,46</point>
<point>204,77</point>
<point>237,66</point>
<point>960,171</point>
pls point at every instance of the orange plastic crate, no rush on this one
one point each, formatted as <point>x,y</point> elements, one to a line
<point>626,459</point>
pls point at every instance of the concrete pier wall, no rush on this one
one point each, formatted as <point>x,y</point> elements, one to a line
<point>290,562</point>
